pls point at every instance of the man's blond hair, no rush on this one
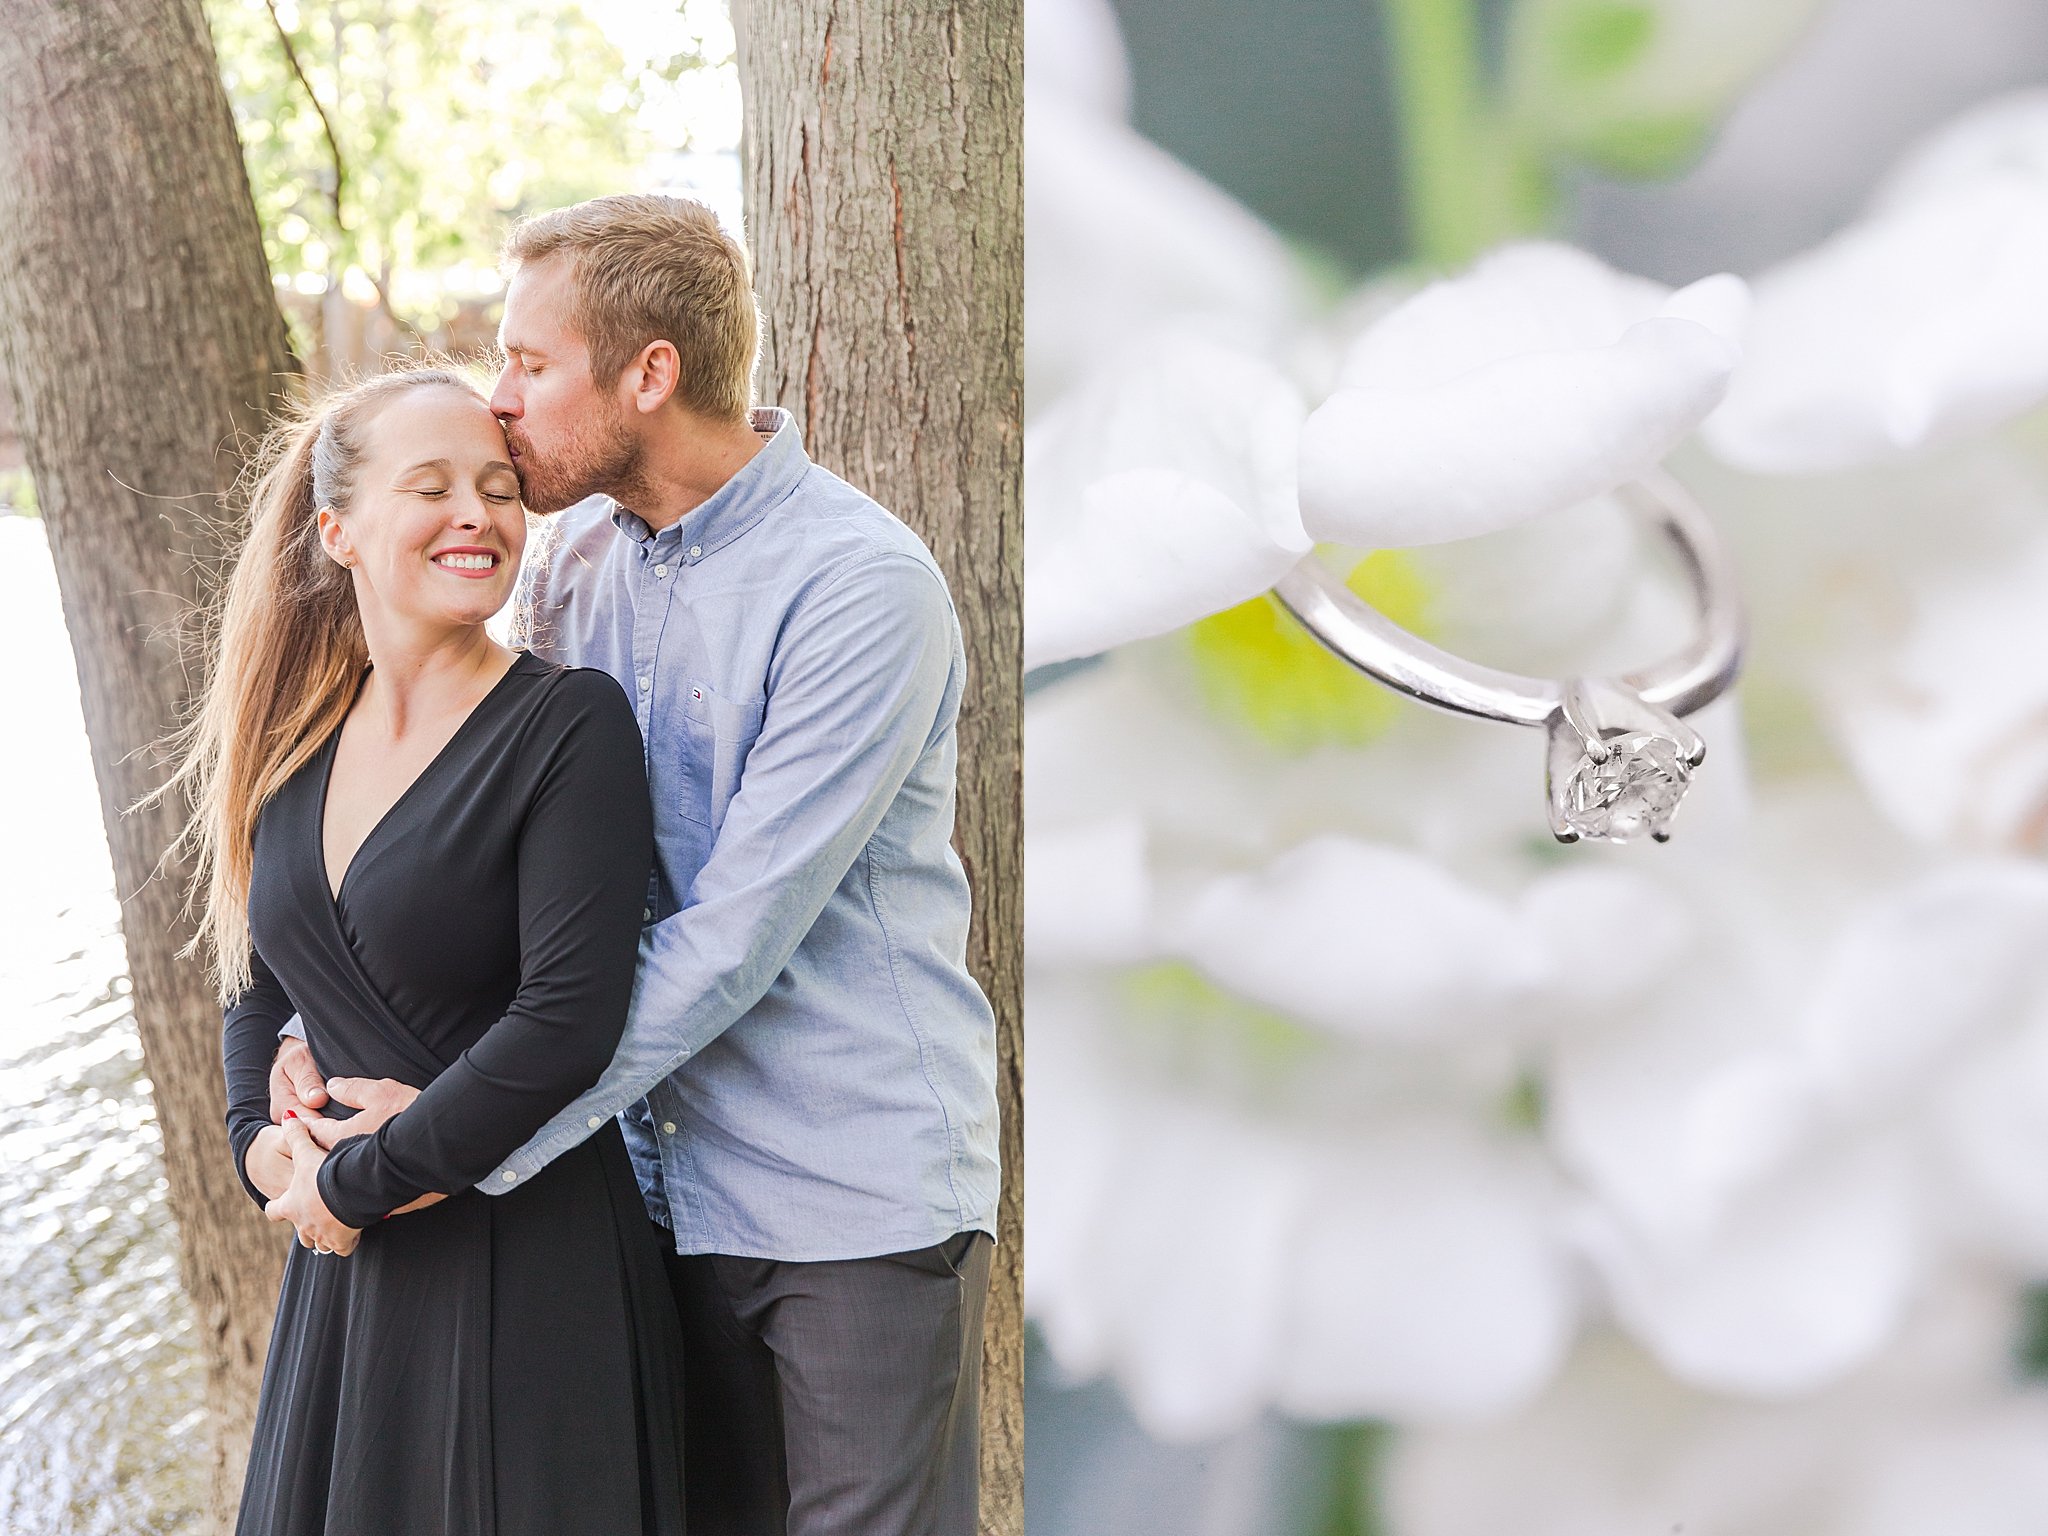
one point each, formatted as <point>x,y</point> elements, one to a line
<point>652,268</point>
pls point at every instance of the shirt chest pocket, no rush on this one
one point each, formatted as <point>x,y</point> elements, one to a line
<point>717,733</point>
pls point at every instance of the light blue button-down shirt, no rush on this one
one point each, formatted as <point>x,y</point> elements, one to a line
<point>808,1070</point>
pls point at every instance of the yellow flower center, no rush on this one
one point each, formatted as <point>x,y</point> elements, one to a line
<point>1262,670</point>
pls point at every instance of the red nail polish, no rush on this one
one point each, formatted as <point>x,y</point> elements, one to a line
<point>291,1114</point>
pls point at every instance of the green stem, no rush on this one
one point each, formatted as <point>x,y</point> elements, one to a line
<point>1353,1454</point>
<point>1434,49</point>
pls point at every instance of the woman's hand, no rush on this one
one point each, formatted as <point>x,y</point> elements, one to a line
<point>375,1100</point>
<point>301,1204</point>
<point>267,1163</point>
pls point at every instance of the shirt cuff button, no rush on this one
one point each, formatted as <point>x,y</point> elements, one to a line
<point>508,1175</point>
<point>594,1121</point>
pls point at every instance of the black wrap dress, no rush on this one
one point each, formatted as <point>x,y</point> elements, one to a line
<point>492,1365</point>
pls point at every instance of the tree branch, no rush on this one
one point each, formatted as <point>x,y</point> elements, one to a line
<point>291,56</point>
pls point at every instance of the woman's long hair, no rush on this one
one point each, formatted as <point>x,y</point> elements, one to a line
<point>284,653</point>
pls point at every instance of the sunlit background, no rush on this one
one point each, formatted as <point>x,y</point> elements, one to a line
<point>390,144</point>
<point>1393,1171</point>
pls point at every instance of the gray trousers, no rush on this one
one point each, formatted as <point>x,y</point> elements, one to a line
<point>838,1398</point>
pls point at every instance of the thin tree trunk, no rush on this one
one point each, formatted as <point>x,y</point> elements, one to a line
<point>884,190</point>
<point>143,344</point>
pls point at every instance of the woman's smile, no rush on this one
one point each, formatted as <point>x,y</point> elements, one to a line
<point>469,561</point>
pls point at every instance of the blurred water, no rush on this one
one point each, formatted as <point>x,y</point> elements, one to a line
<point>101,1424</point>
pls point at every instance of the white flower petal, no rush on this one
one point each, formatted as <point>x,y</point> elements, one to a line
<point>1431,1283</point>
<point>1195,1269</point>
<point>1125,238</point>
<point>1720,303</point>
<point>1161,492</point>
<point>1072,1188</point>
<point>1074,49</point>
<point>1544,594</point>
<point>1990,1128</point>
<point>1807,1279</point>
<point>1924,322</point>
<point>1614,933</point>
<point>1509,440</point>
<point>1951,737</point>
<point>1153,550</point>
<point>1108,741</point>
<point>1617,1448</point>
<point>1746,1119</point>
<point>1923,973</point>
<point>1087,894</point>
<point>1984,1473</point>
<point>2006,136</point>
<point>1641,1110</point>
<point>1364,940</point>
<point>1530,296</point>
<point>1175,400</point>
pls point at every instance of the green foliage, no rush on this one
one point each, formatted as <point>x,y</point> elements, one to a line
<point>1646,146</point>
<point>1173,999</point>
<point>1260,669</point>
<point>18,493</point>
<point>1601,38</point>
<point>2030,1348</point>
<point>449,119</point>
<point>1353,1456</point>
<point>1526,1103</point>
<point>1635,88</point>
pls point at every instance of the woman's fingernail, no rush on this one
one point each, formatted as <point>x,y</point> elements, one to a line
<point>291,1114</point>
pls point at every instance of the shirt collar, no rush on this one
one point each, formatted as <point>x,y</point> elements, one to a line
<point>761,485</point>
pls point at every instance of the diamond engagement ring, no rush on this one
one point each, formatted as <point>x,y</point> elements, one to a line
<point>1620,753</point>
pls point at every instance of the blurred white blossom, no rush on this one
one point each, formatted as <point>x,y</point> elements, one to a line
<point>1633,1185</point>
<point>1922,322</point>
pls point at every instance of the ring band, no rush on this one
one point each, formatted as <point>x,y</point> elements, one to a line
<point>1621,756</point>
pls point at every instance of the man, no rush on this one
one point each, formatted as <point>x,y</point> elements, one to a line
<point>807,1078</point>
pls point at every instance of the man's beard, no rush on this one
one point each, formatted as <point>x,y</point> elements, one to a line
<point>604,459</point>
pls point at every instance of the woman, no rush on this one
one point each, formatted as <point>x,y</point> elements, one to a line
<point>435,851</point>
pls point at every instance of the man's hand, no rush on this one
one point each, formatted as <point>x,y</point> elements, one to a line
<point>301,1205</point>
<point>375,1100</point>
<point>295,1082</point>
<point>267,1163</point>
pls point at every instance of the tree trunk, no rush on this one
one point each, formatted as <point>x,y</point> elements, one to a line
<point>884,192</point>
<point>144,347</point>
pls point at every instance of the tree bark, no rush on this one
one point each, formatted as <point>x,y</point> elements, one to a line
<point>144,348</point>
<point>883,148</point>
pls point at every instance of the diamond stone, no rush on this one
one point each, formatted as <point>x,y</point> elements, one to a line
<point>1635,791</point>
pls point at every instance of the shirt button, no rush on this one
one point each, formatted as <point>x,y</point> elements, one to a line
<point>594,1121</point>
<point>668,1127</point>
<point>508,1175</point>
<point>645,685</point>
<point>695,551</point>
<point>647,914</point>
<point>661,570</point>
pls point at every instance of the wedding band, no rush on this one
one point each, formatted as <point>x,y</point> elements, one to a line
<point>322,1248</point>
<point>1620,753</point>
